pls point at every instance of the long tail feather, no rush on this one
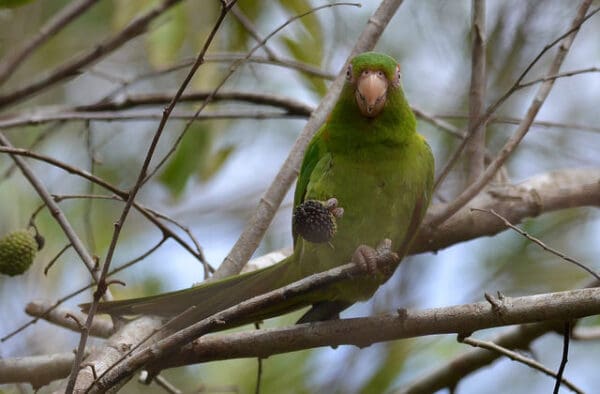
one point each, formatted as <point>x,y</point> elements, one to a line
<point>211,297</point>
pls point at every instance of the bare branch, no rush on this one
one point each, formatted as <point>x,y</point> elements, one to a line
<point>69,13</point>
<point>290,105</point>
<point>365,331</point>
<point>489,345</point>
<point>540,243</point>
<point>56,212</point>
<point>100,328</point>
<point>73,66</point>
<point>540,194</point>
<point>475,149</point>
<point>565,355</point>
<point>120,195</point>
<point>35,370</point>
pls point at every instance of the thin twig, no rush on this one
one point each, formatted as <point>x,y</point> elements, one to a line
<point>522,359</point>
<point>135,115</point>
<point>259,367</point>
<point>540,243</point>
<point>250,28</point>
<point>65,16</point>
<point>67,297</point>
<point>56,212</point>
<point>73,66</point>
<point>55,258</point>
<point>133,193</point>
<point>516,121</point>
<point>565,356</point>
<point>445,126</point>
<point>226,57</point>
<point>559,75</point>
<point>169,387</point>
<point>121,195</point>
<point>288,104</point>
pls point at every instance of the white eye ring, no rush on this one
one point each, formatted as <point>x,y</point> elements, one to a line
<point>349,72</point>
<point>380,73</point>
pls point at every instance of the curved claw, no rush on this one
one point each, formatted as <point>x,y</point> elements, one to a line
<point>380,260</point>
<point>333,208</point>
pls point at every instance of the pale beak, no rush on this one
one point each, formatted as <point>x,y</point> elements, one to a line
<point>371,90</point>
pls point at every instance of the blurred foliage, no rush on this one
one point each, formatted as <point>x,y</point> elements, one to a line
<point>194,156</point>
<point>219,170</point>
<point>13,3</point>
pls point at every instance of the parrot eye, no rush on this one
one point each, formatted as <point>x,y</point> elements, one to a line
<point>349,73</point>
<point>398,74</point>
<point>380,73</point>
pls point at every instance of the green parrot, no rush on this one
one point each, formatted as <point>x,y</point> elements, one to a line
<point>367,159</point>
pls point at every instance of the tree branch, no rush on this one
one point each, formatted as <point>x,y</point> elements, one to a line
<point>56,212</point>
<point>543,193</point>
<point>365,331</point>
<point>73,66</point>
<point>475,149</point>
<point>494,347</point>
<point>69,13</point>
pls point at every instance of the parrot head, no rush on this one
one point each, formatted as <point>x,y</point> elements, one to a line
<point>372,76</point>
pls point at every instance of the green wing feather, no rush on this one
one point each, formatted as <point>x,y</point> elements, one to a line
<point>314,151</point>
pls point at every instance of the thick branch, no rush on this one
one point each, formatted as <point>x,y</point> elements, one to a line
<point>65,317</point>
<point>540,194</point>
<point>35,370</point>
<point>366,331</point>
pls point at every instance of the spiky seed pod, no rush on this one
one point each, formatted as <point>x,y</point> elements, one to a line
<point>313,221</point>
<point>17,251</point>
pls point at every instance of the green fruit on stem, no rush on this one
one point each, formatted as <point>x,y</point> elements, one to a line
<point>17,251</point>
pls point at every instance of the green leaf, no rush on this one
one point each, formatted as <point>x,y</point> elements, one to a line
<point>194,156</point>
<point>307,46</point>
<point>188,158</point>
<point>214,162</point>
<point>167,36</point>
<point>240,39</point>
<point>125,11</point>
<point>308,51</point>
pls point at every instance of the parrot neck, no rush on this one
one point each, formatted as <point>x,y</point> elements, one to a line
<point>348,129</point>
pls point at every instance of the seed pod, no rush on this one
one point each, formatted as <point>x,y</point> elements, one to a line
<point>17,251</point>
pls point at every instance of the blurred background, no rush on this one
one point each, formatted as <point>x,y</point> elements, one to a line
<point>215,178</point>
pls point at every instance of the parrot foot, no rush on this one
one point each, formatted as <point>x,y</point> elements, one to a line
<point>380,260</point>
<point>315,220</point>
<point>333,208</point>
